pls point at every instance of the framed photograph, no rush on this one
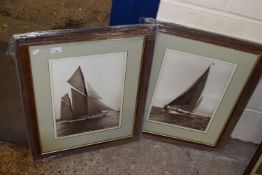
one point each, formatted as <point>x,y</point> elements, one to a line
<point>255,165</point>
<point>199,84</point>
<point>81,87</point>
<point>86,93</point>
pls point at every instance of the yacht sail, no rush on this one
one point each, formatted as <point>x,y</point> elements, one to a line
<point>79,103</point>
<point>188,101</point>
<point>92,93</point>
<point>85,101</point>
<point>96,106</point>
<point>66,108</point>
<point>77,81</point>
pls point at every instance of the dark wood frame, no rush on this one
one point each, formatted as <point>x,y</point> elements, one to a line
<point>254,160</point>
<point>24,41</point>
<point>227,42</point>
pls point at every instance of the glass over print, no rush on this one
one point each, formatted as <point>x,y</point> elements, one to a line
<point>87,93</point>
<point>80,87</point>
<point>189,90</point>
<point>198,86</point>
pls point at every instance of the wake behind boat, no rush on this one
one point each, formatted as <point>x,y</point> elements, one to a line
<point>102,114</point>
<point>88,124</point>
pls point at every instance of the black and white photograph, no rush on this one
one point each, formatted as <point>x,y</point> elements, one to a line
<point>87,93</point>
<point>189,90</point>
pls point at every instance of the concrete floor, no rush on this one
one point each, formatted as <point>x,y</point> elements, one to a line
<point>145,157</point>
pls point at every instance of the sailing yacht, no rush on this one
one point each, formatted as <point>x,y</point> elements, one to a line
<point>85,103</point>
<point>186,103</point>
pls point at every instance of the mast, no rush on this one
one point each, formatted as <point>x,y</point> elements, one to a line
<point>66,111</point>
<point>190,98</point>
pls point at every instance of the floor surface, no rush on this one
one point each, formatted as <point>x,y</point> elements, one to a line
<point>145,157</point>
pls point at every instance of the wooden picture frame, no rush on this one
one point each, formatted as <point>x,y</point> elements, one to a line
<point>181,47</point>
<point>44,57</point>
<point>255,165</point>
<point>47,61</point>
